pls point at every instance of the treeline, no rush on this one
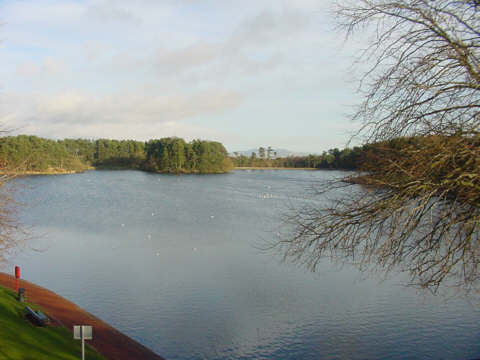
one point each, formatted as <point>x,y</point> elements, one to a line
<point>31,153</point>
<point>106,153</point>
<point>364,158</point>
<point>348,159</point>
<point>25,153</point>
<point>174,155</point>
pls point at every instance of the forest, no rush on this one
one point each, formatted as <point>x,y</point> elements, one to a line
<point>346,159</point>
<point>25,153</point>
<point>174,155</point>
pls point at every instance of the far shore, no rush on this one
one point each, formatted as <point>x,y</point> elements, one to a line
<point>46,172</point>
<point>34,173</point>
<point>99,168</point>
<point>270,168</point>
<point>68,172</point>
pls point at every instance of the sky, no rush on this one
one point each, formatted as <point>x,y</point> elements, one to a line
<point>245,73</point>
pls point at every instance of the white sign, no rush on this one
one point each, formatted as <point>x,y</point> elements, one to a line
<point>85,330</point>
<point>82,332</point>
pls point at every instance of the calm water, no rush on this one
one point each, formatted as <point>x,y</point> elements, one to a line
<point>174,263</point>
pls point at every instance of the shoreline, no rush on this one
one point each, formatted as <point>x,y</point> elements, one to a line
<point>107,340</point>
<point>50,171</point>
<point>37,173</point>
<point>101,168</point>
<point>272,168</point>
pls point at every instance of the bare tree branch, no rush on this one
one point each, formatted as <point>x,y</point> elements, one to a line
<point>420,212</point>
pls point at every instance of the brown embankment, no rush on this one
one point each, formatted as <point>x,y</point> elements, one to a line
<point>108,341</point>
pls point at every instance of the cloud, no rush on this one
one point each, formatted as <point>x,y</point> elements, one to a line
<point>171,66</point>
<point>33,13</point>
<point>93,50</point>
<point>28,69</point>
<point>112,11</point>
<point>270,27</point>
<point>48,67</point>
<point>67,113</point>
<point>193,55</point>
<point>262,44</point>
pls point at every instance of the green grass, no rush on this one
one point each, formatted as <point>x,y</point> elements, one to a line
<point>20,340</point>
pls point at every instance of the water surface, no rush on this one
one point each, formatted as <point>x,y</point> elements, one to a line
<point>174,263</point>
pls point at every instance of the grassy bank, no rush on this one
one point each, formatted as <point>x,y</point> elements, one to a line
<point>20,340</point>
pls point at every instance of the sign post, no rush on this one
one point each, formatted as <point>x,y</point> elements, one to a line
<point>82,332</point>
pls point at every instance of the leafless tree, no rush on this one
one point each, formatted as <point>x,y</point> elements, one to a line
<point>12,233</point>
<point>425,71</point>
<point>10,230</point>
<point>419,208</point>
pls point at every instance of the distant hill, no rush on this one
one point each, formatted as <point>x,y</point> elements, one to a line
<point>280,152</point>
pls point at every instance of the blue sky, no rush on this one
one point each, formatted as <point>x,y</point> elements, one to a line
<point>246,73</point>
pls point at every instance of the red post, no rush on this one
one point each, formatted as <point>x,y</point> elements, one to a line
<point>17,276</point>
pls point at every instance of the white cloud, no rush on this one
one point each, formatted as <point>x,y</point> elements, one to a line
<point>49,67</point>
<point>28,69</point>
<point>93,50</point>
<point>66,114</point>
<point>55,11</point>
<point>108,10</point>
<point>139,65</point>
<point>256,37</point>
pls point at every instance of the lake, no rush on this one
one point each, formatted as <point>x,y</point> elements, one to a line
<point>174,262</point>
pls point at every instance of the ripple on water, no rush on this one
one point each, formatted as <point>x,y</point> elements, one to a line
<point>182,275</point>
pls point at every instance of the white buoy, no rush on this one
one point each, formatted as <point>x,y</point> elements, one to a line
<point>123,225</point>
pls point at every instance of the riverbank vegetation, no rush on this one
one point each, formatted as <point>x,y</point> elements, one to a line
<point>346,159</point>
<point>26,154</point>
<point>33,154</point>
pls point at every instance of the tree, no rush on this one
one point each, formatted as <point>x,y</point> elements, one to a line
<point>178,150</point>
<point>421,210</point>
<point>261,153</point>
<point>269,152</point>
<point>11,231</point>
